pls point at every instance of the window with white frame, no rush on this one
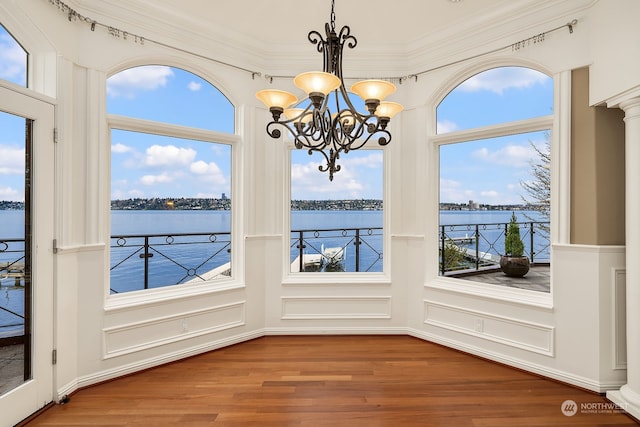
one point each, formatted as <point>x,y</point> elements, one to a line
<point>494,139</point>
<point>171,157</point>
<point>337,226</point>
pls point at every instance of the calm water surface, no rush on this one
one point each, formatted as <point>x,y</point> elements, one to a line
<point>129,274</point>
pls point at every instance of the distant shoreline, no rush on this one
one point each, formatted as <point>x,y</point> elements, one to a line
<point>296,205</point>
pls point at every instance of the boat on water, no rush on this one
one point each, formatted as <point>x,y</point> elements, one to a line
<point>332,256</point>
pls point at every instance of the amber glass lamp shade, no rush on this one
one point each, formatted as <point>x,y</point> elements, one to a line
<point>388,109</point>
<point>276,98</point>
<point>373,89</point>
<point>317,82</point>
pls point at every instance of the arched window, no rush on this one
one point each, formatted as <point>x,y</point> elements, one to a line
<point>171,192</point>
<point>494,133</point>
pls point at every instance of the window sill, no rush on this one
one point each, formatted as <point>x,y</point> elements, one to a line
<point>495,292</point>
<point>168,293</point>
<point>337,279</point>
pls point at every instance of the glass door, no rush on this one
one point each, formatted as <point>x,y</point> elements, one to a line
<point>26,255</point>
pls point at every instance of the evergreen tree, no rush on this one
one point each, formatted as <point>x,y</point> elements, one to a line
<point>513,245</point>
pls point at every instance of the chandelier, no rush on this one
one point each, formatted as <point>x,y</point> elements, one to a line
<point>326,121</point>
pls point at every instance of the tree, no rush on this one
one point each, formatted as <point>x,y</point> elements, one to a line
<point>513,245</point>
<point>453,256</point>
<point>539,188</point>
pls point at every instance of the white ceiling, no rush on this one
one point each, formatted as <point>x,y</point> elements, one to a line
<point>265,23</point>
<point>399,35</point>
<point>372,21</point>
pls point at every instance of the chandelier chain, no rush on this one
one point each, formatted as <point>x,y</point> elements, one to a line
<point>333,16</point>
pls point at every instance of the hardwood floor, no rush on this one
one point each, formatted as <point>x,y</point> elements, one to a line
<point>332,381</point>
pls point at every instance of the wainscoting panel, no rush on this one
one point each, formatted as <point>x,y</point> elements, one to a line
<point>512,332</point>
<point>619,319</point>
<point>152,333</point>
<point>322,308</point>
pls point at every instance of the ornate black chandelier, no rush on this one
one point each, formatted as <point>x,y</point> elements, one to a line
<point>329,123</point>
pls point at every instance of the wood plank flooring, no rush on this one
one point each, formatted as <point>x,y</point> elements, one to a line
<point>331,381</point>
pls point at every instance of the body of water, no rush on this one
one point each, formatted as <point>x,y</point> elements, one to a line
<point>487,217</point>
<point>178,259</point>
<point>150,222</point>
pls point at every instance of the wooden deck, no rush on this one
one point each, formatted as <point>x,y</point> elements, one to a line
<point>332,381</point>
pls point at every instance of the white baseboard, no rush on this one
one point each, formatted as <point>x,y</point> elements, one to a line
<point>335,331</point>
<point>617,398</point>
<point>575,380</point>
<point>544,371</point>
<point>110,374</point>
<point>65,390</point>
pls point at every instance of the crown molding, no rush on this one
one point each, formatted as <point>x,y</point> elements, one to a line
<point>501,25</point>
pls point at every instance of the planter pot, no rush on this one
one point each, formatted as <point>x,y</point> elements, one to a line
<point>514,266</point>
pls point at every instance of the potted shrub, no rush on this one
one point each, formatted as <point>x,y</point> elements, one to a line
<point>513,263</point>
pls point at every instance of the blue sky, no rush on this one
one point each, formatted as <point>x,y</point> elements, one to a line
<point>490,171</point>
<point>12,68</point>
<point>487,171</point>
<point>145,165</point>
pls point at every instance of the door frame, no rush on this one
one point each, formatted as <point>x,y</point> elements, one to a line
<point>38,391</point>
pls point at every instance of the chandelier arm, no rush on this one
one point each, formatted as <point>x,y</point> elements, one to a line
<point>310,138</point>
<point>274,132</point>
<point>345,36</point>
<point>331,162</point>
<point>327,159</point>
<point>316,39</point>
<point>356,133</point>
<point>345,95</point>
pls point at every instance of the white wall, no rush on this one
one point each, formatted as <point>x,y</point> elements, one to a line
<point>613,39</point>
<point>98,336</point>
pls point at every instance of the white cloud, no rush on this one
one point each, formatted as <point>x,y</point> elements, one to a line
<point>209,172</point>
<point>490,194</point>
<point>13,60</point>
<point>120,148</point>
<point>168,155</point>
<point>371,160</point>
<point>201,167</point>
<point>194,86</point>
<point>452,191</point>
<point>127,194</point>
<point>145,78</point>
<point>11,160</point>
<point>308,183</point>
<point>445,126</point>
<point>353,181</point>
<point>449,183</point>
<point>304,174</point>
<point>206,195</point>
<point>497,80</point>
<point>11,194</point>
<point>517,156</point>
<point>163,178</point>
